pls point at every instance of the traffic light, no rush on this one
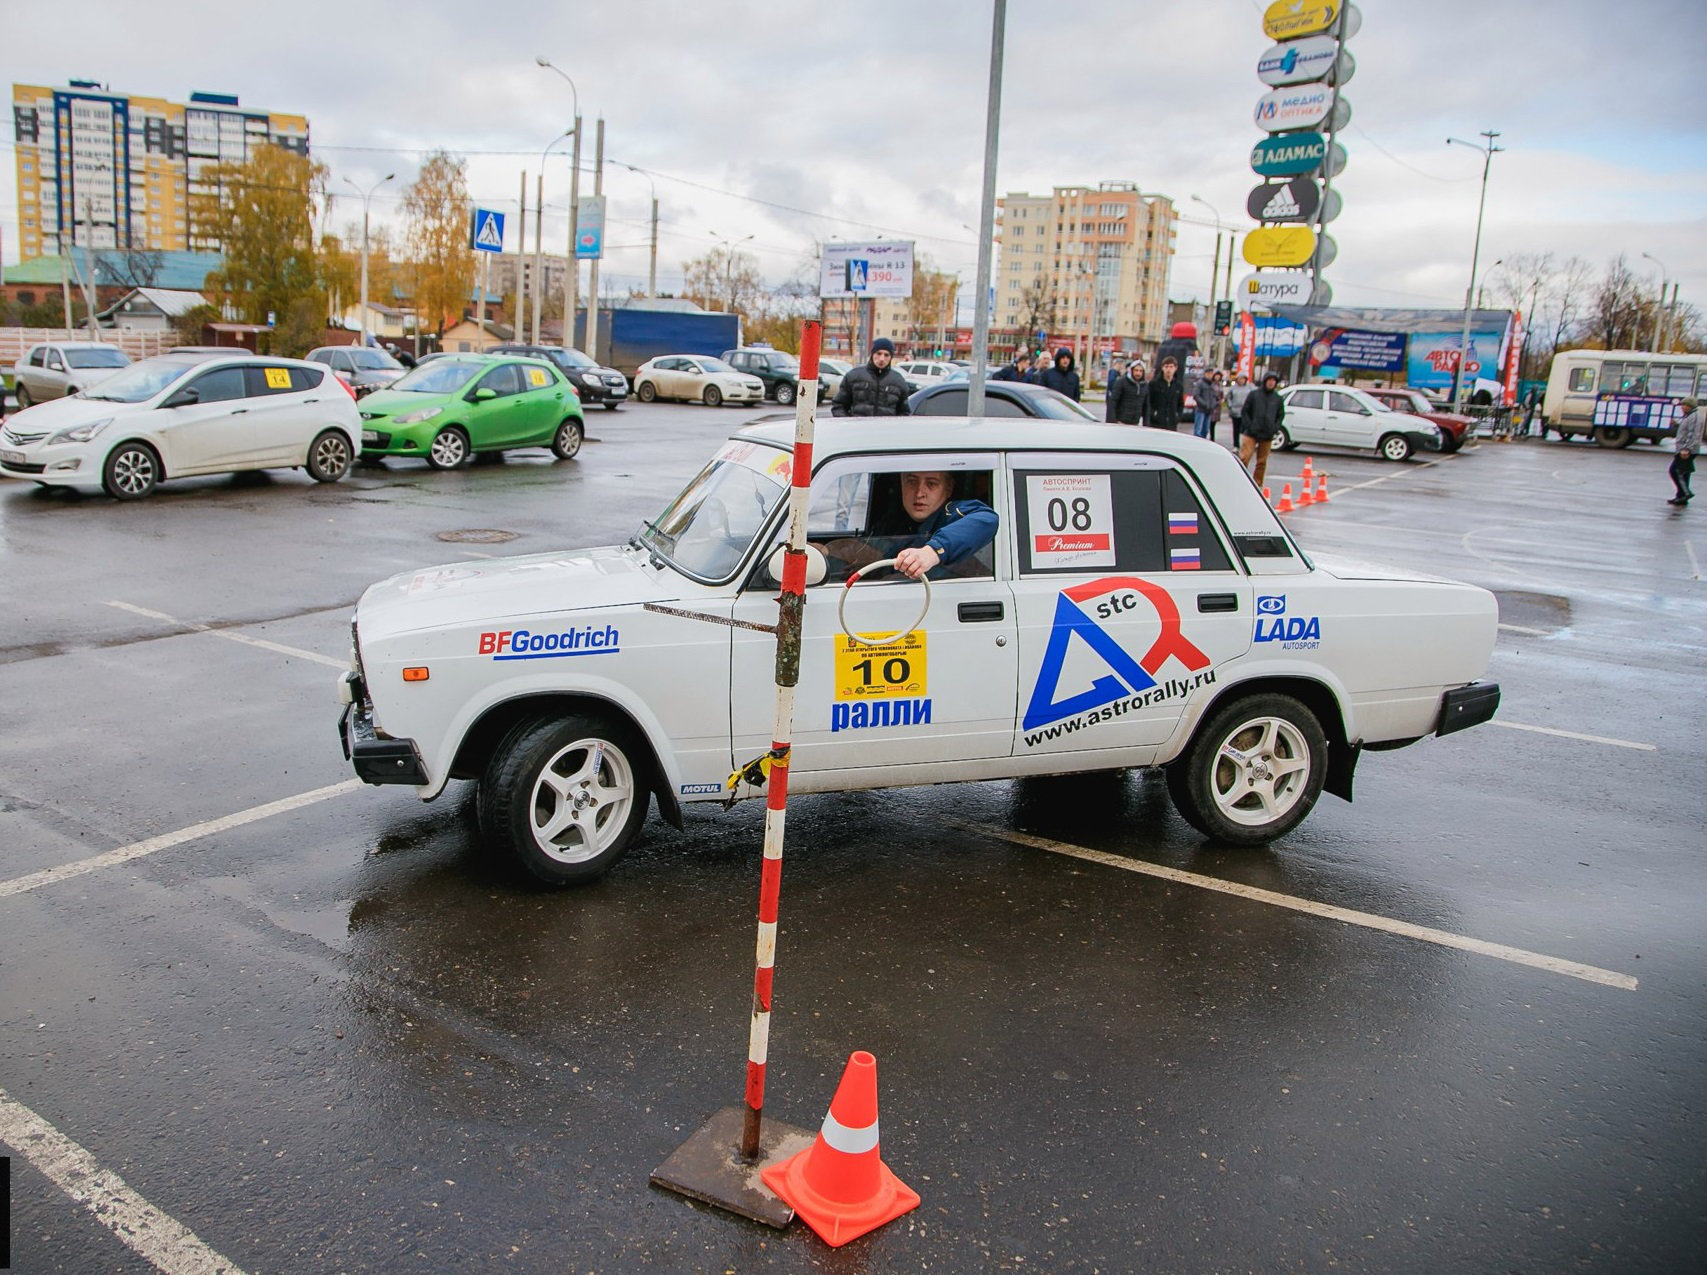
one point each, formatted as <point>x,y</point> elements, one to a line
<point>938,353</point>
<point>1223,317</point>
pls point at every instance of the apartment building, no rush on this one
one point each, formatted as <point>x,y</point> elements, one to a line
<point>1084,264</point>
<point>113,170</point>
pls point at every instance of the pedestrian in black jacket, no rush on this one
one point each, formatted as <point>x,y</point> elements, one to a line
<point>1126,397</point>
<point>875,389</point>
<point>1263,412</point>
<point>1061,376</point>
<point>1164,405</point>
<point>1018,370</point>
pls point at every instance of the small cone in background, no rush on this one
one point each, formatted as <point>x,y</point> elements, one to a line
<point>1266,498</point>
<point>1321,489</point>
<point>1308,475</point>
<point>1285,505</point>
<point>839,1185</point>
<point>1305,499</point>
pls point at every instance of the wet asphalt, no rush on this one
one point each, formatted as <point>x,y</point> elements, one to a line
<point>342,1037</point>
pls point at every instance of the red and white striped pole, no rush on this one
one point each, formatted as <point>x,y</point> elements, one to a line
<point>791,606</point>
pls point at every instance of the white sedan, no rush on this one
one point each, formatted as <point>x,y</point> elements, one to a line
<point>695,378</point>
<point>182,414</point>
<point>1339,416</point>
<point>1108,598</point>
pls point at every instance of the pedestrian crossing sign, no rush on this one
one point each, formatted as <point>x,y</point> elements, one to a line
<point>486,231</point>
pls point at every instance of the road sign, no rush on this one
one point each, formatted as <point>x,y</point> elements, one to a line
<point>881,269</point>
<point>590,228</point>
<point>486,231</point>
<point>1223,317</point>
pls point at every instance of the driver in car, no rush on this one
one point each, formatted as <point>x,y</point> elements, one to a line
<point>937,530</point>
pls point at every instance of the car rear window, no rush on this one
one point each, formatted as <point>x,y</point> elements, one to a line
<point>273,379</point>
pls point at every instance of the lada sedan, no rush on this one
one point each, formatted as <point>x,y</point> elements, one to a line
<point>1339,416</point>
<point>1130,601</point>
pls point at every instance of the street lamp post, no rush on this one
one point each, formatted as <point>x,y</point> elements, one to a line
<point>1489,150</point>
<point>539,235</point>
<point>1215,269</point>
<point>1659,301</point>
<point>572,274</point>
<point>367,198</point>
<point>652,271</point>
<point>987,211</point>
<point>729,265</point>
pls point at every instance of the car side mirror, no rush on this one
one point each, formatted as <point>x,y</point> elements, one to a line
<point>184,398</point>
<point>482,394</point>
<point>696,371</point>
<point>816,565</point>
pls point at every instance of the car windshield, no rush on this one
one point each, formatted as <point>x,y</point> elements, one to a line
<point>571,358</point>
<point>707,530</point>
<point>141,380</point>
<point>784,363</point>
<point>715,365</point>
<point>375,361</point>
<point>106,357</point>
<point>1058,407</point>
<point>441,376</point>
<point>1380,404</point>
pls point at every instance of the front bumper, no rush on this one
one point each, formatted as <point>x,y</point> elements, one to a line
<point>1429,442</point>
<point>62,466</point>
<point>381,442</point>
<point>602,391</point>
<point>376,760</point>
<point>1467,706</point>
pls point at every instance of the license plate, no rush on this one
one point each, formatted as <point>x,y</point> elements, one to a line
<point>12,458</point>
<point>370,436</point>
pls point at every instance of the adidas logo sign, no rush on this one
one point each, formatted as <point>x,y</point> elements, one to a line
<point>1283,204</point>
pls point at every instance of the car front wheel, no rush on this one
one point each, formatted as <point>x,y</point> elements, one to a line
<point>785,394</point>
<point>567,440</point>
<point>713,396</point>
<point>646,392</point>
<point>131,472</point>
<point>1282,441</point>
<point>329,457</point>
<point>565,795</point>
<point>449,448</point>
<point>1396,447</point>
<point>1252,771</point>
<point>24,399</point>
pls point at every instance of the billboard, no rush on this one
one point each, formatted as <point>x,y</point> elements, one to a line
<point>1280,245</point>
<point>1434,357</point>
<point>1339,349</point>
<point>1305,61</point>
<point>881,269</point>
<point>1294,200</point>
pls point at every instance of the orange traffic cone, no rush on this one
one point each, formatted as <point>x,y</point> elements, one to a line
<point>1266,498</point>
<point>1285,505</point>
<point>1305,499</point>
<point>1321,489</point>
<point>1309,473</point>
<point>839,1184</point>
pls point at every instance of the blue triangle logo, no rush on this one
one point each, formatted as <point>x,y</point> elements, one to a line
<point>1069,620</point>
<point>488,236</point>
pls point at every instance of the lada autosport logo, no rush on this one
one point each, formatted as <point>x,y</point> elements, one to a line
<point>1130,684</point>
<point>1293,632</point>
<point>525,644</point>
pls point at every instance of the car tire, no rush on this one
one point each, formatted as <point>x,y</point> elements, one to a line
<point>23,396</point>
<point>785,394</point>
<point>611,407</point>
<point>1225,783</point>
<point>713,396</point>
<point>132,471</point>
<point>567,441</point>
<point>329,456</point>
<point>565,795</point>
<point>1282,441</point>
<point>1616,436</point>
<point>1450,442</point>
<point>449,448</point>
<point>646,392</point>
<point>1394,447</point>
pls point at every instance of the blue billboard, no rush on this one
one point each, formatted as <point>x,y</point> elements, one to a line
<point>1338,349</point>
<point>1434,357</point>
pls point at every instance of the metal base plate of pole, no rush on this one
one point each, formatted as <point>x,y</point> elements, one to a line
<point>709,1166</point>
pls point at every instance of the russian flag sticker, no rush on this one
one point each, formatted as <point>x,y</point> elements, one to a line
<point>1185,559</point>
<point>1182,524</point>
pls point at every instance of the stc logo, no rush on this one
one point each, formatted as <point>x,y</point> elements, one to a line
<point>520,644</point>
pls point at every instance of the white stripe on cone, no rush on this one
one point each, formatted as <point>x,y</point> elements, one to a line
<point>838,1137</point>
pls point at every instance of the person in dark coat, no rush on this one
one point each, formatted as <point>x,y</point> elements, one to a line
<point>1060,376</point>
<point>1018,370</point>
<point>1126,397</point>
<point>1263,412</point>
<point>1164,405</point>
<point>874,389</point>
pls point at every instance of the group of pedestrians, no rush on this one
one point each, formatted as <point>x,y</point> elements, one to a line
<point>1158,403</point>
<point>1059,375</point>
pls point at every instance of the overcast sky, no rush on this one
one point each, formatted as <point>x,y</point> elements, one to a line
<point>794,123</point>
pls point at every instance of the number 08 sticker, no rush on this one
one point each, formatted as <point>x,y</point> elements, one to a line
<point>1072,520</point>
<point>890,671</point>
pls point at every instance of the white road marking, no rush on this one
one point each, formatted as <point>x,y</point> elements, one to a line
<point>1518,628</point>
<point>166,840</point>
<point>1387,478</point>
<point>1368,920</point>
<point>1571,734</point>
<point>157,1238</point>
<point>293,652</point>
<point>1694,562</point>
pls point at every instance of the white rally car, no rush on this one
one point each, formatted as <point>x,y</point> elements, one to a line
<point>1140,605</point>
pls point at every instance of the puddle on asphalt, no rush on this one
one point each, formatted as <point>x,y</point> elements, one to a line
<point>1533,610</point>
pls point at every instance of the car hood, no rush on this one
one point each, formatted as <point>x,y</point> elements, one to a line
<point>501,590</point>
<point>385,402</point>
<point>1354,569</point>
<point>62,413</point>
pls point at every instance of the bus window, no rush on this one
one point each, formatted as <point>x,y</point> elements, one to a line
<point>1679,379</point>
<point>1701,385</point>
<point>1582,380</point>
<point>1627,378</point>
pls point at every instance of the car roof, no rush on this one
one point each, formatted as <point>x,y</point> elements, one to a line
<point>900,434</point>
<point>81,345</point>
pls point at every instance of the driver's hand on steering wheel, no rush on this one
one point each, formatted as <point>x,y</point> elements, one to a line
<point>914,563</point>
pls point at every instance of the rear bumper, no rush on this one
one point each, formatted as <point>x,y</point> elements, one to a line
<point>1467,706</point>
<point>376,760</point>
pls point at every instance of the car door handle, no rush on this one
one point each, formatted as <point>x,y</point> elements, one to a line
<point>238,411</point>
<point>310,400</point>
<point>1217,602</point>
<point>980,612</point>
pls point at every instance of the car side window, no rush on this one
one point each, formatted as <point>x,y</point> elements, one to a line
<point>1089,520</point>
<point>54,362</point>
<point>996,405</point>
<point>223,384</point>
<point>950,403</point>
<point>1191,539</point>
<point>262,381</point>
<point>1306,399</point>
<point>38,357</point>
<point>535,378</point>
<point>1340,402</point>
<point>503,380</point>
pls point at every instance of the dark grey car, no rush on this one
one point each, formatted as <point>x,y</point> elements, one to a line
<point>364,370</point>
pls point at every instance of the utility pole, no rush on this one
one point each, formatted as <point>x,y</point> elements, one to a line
<point>572,277</point>
<point>593,269</point>
<point>367,199</point>
<point>1489,150</point>
<point>538,257</point>
<point>520,317</point>
<point>987,213</point>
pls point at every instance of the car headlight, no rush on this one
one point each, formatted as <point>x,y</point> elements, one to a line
<point>416,417</point>
<point>80,433</point>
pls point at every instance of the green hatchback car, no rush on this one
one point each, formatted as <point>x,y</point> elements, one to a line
<point>455,407</point>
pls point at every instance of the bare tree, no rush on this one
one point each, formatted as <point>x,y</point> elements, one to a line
<point>1039,308</point>
<point>437,207</point>
<point>1618,314</point>
<point>724,279</point>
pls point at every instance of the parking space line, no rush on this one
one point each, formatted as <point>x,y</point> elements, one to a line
<point>1571,734</point>
<point>1368,920</point>
<point>166,840</point>
<point>1694,562</point>
<point>156,1237</point>
<point>1387,478</point>
<point>1527,632</point>
<point>194,627</point>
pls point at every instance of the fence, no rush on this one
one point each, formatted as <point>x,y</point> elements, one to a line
<point>15,342</point>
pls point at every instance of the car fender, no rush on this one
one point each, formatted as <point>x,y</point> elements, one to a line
<point>1248,675</point>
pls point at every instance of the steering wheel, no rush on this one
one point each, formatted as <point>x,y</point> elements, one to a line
<point>842,607</point>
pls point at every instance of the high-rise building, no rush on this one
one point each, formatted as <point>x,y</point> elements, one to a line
<point>110,170</point>
<point>1084,264</point>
